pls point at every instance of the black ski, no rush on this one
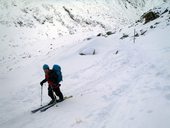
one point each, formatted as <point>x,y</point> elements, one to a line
<point>37,109</point>
<point>65,98</point>
<point>47,107</point>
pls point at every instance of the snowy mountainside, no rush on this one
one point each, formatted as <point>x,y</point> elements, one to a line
<point>28,25</point>
<point>104,14</point>
<point>129,88</point>
<point>141,28</point>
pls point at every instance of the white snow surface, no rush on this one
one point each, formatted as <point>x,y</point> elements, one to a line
<point>124,85</point>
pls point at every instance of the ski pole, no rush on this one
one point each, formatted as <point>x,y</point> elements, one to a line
<point>41,94</point>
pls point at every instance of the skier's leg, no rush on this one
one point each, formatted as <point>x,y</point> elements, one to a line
<point>59,93</point>
<point>50,93</point>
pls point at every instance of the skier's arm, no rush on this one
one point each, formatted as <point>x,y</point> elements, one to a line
<point>43,81</point>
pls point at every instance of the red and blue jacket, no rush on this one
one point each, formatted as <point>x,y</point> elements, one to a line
<point>51,78</point>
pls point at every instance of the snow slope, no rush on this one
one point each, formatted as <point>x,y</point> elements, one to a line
<point>124,85</point>
<point>31,28</point>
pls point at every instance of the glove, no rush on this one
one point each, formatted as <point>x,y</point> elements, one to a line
<point>41,83</point>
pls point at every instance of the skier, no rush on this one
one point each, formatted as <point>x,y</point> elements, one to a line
<point>53,85</point>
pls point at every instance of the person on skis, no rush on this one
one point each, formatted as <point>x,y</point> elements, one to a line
<point>53,85</point>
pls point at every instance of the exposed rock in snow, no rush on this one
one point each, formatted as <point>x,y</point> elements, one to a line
<point>88,51</point>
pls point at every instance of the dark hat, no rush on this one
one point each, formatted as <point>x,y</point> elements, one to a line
<point>45,66</point>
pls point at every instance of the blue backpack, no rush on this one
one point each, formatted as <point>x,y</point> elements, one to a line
<point>57,70</point>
